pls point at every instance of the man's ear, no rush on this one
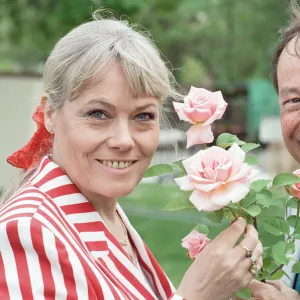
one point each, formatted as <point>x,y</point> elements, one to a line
<point>49,113</point>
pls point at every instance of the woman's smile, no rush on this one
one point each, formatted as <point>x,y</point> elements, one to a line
<point>119,166</point>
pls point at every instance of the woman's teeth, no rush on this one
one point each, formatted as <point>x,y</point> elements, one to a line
<point>117,164</point>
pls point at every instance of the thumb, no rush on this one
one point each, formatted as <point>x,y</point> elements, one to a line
<point>276,283</point>
<point>262,290</point>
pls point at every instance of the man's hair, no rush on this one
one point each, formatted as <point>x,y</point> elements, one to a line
<point>286,35</point>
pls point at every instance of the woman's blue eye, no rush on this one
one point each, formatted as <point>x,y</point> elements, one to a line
<point>97,114</point>
<point>145,117</point>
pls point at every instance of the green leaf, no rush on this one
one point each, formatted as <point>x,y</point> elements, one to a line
<point>279,195</point>
<point>277,275</point>
<point>285,179</point>
<point>158,170</point>
<point>278,201</point>
<point>215,216</point>
<point>244,293</point>
<point>265,274</point>
<point>226,140</point>
<point>293,203</point>
<point>253,210</point>
<point>278,253</point>
<point>202,228</point>
<point>249,146</point>
<point>267,263</point>
<point>179,203</point>
<point>179,164</point>
<point>276,226</point>
<point>248,200</point>
<point>259,185</point>
<point>296,267</point>
<point>292,221</point>
<point>290,249</point>
<point>251,160</point>
<point>264,198</point>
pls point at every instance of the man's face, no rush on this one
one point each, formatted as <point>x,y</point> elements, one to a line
<point>288,73</point>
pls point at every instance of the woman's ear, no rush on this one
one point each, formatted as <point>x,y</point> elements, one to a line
<point>49,114</point>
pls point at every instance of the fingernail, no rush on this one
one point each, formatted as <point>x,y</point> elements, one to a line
<point>240,219</point>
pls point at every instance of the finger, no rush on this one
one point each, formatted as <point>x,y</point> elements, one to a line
<point>276,283</point>
<point>262,290</point>
<point>249,241</point>
<point>258,252</point>
<point>230,236</point>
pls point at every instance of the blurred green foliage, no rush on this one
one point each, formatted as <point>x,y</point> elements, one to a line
<point>220,40</point>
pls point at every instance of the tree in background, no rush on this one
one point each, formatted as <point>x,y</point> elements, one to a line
<point>220,40</point>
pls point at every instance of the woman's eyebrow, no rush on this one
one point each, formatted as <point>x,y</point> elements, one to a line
<point>106,103</point>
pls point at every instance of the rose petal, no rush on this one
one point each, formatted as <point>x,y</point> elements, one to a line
<point>210,173</point>
<point>197,178</point>
<point>219,112</point>
<point>197,115</point>
<point>294,191</point>
<point>179,108</point>
<point>231,192</point>
<point>202,201</point>
<point>236,154</point>
<point>241,173</point>
<point>198,134</point>
<point>208,187</point>
<point>214,154</point>
<point>184,183</point>
<point>190,163</point>
<point>199,93</point>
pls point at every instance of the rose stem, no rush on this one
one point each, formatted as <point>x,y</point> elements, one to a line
<point>297,217</point>
<point>232,211</point>
<point>276,270</point>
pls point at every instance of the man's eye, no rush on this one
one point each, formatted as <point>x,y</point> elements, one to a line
<point>145,117</point>
<point>97,114</point>
<point>295,100</point>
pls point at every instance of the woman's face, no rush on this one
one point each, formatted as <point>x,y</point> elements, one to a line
<point>105,138</point>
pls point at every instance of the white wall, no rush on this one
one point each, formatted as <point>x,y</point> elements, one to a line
<point>19,97</point>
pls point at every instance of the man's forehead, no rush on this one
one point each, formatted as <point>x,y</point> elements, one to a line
<point>288,70</point>
<point>289,90</point>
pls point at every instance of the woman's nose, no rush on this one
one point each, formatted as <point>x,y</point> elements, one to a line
<point>121,137</point>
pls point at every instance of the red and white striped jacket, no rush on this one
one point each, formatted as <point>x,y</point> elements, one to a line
<point>54,245</point>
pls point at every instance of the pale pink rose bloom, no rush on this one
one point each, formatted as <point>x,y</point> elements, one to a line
<point>294,189</point>
<point>216,177</point>
<point>200,108</point>
<point>195,242</point>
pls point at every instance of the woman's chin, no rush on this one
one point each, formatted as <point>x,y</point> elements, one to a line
<point>115,193</point>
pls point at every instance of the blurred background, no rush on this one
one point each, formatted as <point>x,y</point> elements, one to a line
<point>216,44</point>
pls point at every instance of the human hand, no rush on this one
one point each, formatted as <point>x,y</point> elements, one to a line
<point>222,268</point>
<point>272,290</point>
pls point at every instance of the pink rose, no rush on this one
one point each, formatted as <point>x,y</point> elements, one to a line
<point>200,108</point>
<point>216,177</point>
<point>195,242</point>
<point>294,189</point>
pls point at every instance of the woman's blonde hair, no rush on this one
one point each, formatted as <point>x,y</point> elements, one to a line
<point>88,51</point>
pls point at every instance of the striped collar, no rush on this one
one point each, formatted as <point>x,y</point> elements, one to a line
<point>98,239</point>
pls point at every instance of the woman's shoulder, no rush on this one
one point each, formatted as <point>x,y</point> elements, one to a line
<point>22,204</point>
